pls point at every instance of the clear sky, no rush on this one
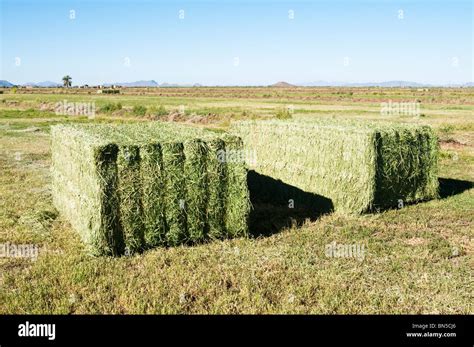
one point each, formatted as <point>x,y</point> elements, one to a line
<point>237,42</point>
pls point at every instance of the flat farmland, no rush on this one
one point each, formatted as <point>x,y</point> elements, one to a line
<point>417,259</point>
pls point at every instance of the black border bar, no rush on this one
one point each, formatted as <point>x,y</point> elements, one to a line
<point>432,330</point>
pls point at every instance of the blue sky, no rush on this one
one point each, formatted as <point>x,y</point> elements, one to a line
<point>237,42</point>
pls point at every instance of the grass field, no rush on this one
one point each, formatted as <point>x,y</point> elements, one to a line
<point>417,259</point>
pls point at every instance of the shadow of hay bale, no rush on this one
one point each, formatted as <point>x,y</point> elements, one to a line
<point>277,205</point>
<point>449,187</point>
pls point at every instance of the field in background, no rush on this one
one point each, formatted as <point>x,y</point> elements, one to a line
<point>417,259</point>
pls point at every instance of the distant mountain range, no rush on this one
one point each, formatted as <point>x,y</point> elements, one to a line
<point>281,84</point>
<point>4,83</point>
<point>387,84</point>
<point>151,83</point>
<point>45,84</point>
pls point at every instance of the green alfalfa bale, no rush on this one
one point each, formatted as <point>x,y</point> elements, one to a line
<point>129,190</point>
<point>109,238</point>
<point>323,160</point>
<point>174,192</point>
<point>395,170</point>
<point>84,176</point>
<point>195,170</point>
<point>360,166</point>
<point>406,166</point>
<point>90,205</point>
<point>429,160</point>
<point>217,178</point>
<point>151,171</point>
<point>237,193</point>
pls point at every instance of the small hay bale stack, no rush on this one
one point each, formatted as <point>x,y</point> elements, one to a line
<point>126,188</point>
<point>360,166</point>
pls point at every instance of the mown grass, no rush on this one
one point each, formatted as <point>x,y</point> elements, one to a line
<point>454,104</point>
<point>418,259</point>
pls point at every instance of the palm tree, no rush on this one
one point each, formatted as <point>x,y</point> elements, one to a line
<point>67,81</point>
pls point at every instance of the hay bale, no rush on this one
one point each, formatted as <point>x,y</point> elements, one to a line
<point>110,236</point>
<point>129,192</point>
<point>84,188</point>
<point>195,171</point>
<point>359,166</point>
<point>174,193</point>
<point>406,165</point>
<point>151,172</point>
<point>237,203</point>
<point>126,188</point>
<point>216,198</point>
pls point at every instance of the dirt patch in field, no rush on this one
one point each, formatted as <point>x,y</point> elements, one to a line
<point>199,119</point>
<point>452,144</point>
<point>47,106</point>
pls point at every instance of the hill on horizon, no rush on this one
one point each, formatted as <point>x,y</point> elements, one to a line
<point>4,83</point>
<point>282,84</point>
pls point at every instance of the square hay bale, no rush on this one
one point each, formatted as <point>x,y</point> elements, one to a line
<point>130,193</point>
<point>174,193</point>
<point>195,170</point>
<point>237,191</point>
<point>126,188</point>
<point>216,198</point>
<point>152,180</point>
<point>360,166</point>
<point>84,175</point>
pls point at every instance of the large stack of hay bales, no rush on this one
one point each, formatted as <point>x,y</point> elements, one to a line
<point>126,188</point>
<point>360,166</point>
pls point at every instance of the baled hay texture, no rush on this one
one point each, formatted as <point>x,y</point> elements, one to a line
<point>151,171</point>
<point>237,202</point>
<point>129,190</point>
<point>84,174</point>
<point>113,242</point>
<point>126,188</point>
<point>407,163</point>
<point>359,166</point>
<point>195,171</point>
<point>216,198</point>
<point>174,193</point>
